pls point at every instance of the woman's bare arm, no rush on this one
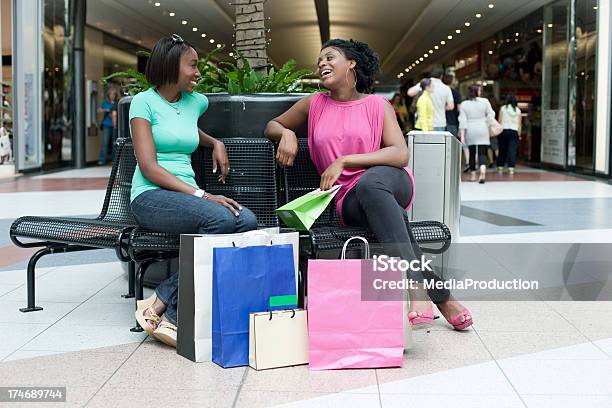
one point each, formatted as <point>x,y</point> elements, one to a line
<point>281,130</point>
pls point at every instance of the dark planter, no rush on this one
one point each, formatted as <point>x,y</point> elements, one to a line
<point>230,115</point>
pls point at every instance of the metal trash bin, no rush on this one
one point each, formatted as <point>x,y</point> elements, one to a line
<point>435,162</point>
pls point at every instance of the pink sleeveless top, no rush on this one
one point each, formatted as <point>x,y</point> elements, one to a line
<point>338,129</point>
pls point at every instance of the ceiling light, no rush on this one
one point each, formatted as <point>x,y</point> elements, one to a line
<point>406,69</point>
<point>194,29</point>
<point>184,22</point>
<point>218,45</point>
<point>203,35</point>
<point>490,52</point>
<point>516,34</point>
<point>550,25</point>
<point>594,7</point>
<point>426,55</point>
<point>478,15</point>
<point>442,42</point>
<point>418,62</point>
<point>171,14</point>
<point>231,54</point>
<point>458,31</point>
<point>539,30</point>
<point>431,51</point>
<point>436,47</point>
<point>211,41</point>
<point>491,5</point>
<point>467,23</point>
<point>157,4</point>
<point>421,59</point>
<point>450,37</point>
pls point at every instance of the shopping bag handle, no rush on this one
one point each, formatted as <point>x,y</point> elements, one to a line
<point>365,241</point>
<point>250,234</point>
<point>292,316</point>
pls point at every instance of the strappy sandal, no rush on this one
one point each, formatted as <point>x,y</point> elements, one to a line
<point>143,319</point>
<point>166,332</point>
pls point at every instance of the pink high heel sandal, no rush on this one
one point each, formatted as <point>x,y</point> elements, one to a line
<point>456,322</point>
<point>425,321</point>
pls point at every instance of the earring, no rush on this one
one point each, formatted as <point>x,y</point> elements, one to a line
<point>355,74</point>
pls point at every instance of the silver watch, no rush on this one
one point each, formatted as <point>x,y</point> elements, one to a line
<point>200,193</point>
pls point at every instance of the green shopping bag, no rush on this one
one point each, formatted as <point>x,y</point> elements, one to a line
<point>302,212</point>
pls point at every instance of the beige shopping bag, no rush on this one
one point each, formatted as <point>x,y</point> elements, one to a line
<point>278,339</point>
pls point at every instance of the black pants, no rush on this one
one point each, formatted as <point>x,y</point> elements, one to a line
<point>378,202</point>
<point>482,156</point>
<point>508,147</point>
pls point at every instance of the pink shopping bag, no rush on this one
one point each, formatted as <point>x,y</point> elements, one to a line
<point>343,330</point>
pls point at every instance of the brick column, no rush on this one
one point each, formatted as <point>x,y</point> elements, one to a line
<point>250,31</point>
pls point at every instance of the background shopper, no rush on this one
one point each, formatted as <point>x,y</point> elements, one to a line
<point>510,120</point>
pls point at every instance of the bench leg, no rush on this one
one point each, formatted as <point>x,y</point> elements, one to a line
<point>139,286</point>
<point>31,276</point>
<point>131,278</point>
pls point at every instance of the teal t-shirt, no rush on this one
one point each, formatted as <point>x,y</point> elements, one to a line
<point>175,134</point>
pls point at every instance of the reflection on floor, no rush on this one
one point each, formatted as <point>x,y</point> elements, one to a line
<point>517,354</point>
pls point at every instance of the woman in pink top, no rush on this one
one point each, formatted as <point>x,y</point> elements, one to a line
<point>354,140</point>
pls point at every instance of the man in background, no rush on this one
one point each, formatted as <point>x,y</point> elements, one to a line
<point>441,96</point>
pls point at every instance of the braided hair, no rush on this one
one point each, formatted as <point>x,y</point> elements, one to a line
<point>367,61</point>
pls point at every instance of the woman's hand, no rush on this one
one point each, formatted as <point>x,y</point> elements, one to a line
<point>287,148</point>
<point>332,173</point>
<point>228,203</point>
<point>220,160</point>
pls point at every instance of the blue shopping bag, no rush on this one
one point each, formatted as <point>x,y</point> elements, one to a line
<point>244,279</point>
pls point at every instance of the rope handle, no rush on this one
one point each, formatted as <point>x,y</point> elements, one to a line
<point>365,241</point>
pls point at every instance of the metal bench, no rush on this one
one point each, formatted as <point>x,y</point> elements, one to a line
<point>109,230</point>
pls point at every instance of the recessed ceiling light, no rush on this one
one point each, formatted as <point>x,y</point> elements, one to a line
<point>194,29</point>
<point>436,47</point>
<point>171,14</point>
<point>418,62</point>
<point>426,55</point>
<point>539,30</point>
<point>406,69</point>
<point>442,42</point>
<point>184,22</point>
<point>450,37</point>
<point>594,7</point>
<point>491,5</point>
<point>516,34</point>
<point>458,31</point>
<point>211,41</point>
<point>478,15</point>
<point>490,52</point>
<point>203,35</point>
<point>431,51</point>
<point>231,54</point>
<point>550,25</point>
<point>467,23</point>
<point>157,4</point>
<point>218,45</point>
<point>421,59</point>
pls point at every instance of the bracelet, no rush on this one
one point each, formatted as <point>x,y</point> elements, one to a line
<point>206,195</point>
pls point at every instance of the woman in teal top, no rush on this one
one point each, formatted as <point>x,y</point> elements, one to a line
<point>165,196</point>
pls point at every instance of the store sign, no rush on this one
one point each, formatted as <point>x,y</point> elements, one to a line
<point>468,61</point>
<point>554,136</point>
<point>27,80</point>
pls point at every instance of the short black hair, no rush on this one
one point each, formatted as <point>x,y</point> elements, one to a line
<point>367,61</point>
<point>437,72</point>
<point>165,60</point>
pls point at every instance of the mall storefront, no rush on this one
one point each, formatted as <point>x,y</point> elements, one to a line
<point>556,61</point>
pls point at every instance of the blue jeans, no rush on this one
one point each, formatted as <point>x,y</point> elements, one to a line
<point>109,134</point>
<point>179,213</point>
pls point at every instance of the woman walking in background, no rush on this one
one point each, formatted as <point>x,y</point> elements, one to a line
<point>401,112</point>
<point>474,130</point>
<point>424,107</point>
<point>510,120</point>
<point>109,124</point>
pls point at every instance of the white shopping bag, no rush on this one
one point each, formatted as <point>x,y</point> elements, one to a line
<point>194,336</point>
<point>278,339</point>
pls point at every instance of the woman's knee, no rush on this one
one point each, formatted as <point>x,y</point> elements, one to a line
<point>223,223</point>
<point>247,220</point>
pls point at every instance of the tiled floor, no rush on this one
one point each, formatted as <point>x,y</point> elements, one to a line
<point>518,354</point>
